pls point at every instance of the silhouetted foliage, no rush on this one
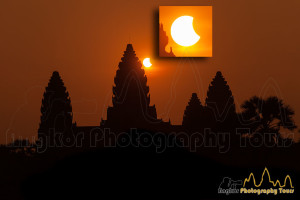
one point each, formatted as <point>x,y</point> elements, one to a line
<point>220,104</point>
<point>267,115</point>
<point>56,109</point>
<point>193,117</point>
<point>131,96</point>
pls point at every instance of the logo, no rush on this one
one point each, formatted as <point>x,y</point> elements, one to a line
<point>263,186</point>
<point>229,186</point>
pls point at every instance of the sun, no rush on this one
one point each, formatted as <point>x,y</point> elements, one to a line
<point>183,33</point>
<point>147,63</point>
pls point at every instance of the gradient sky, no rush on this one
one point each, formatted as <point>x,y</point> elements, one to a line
<point>256,45</point>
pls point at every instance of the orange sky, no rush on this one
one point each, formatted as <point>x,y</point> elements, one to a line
<point>202,24</point>
<point>255,45</point>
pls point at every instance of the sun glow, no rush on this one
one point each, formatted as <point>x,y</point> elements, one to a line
<point>183,33</point>
<point>147,63</point>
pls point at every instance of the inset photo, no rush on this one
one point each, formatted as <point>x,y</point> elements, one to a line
<point>185,31</point>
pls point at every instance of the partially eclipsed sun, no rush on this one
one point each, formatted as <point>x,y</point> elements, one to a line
<point>146,62</point>
<point>183,33</point>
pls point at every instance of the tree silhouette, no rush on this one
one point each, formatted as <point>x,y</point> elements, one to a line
<point>267,115</point>
<point>193,115</point>
<point>56,109</point>
<point>131,96</point>
<point>220,104</point>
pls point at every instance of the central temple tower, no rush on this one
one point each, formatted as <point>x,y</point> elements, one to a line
<point>131,99</point>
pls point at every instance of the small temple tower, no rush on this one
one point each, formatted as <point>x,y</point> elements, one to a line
<point>131,99</point>
<point>163,42</point>
<point>56,110</point>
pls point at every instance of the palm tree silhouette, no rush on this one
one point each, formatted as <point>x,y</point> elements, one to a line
<point>267,115</point>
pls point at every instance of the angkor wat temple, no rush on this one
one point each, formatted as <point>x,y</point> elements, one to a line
<point>131,98</point>
<point>131,108</point>
<point>130,103</point>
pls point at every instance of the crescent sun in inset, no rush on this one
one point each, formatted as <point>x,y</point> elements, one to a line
<point>146,62</point>
<point>183,33</point>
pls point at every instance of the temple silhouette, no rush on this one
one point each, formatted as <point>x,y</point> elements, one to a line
<point>163,42</point>
<point>130,105</point>
<point>131,109</point>
<point>56,112</point>
<point>131,98</point>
